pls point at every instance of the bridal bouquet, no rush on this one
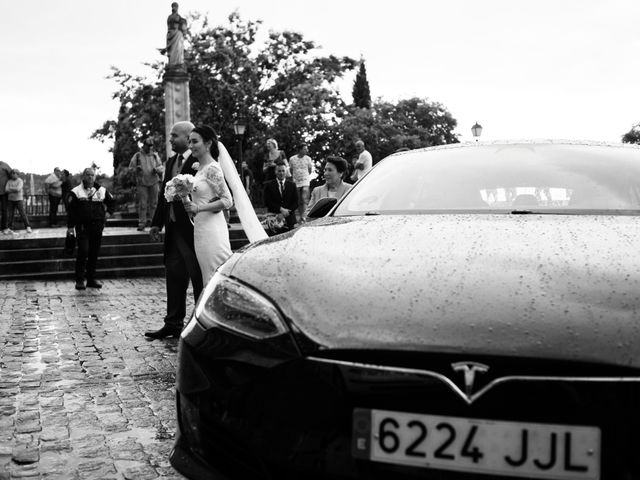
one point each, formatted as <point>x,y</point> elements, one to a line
<point>179,187</point>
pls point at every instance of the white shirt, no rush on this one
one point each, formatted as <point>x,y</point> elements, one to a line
<point>366,160</point>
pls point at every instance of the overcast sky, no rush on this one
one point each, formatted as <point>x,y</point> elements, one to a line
<point>547,69</point>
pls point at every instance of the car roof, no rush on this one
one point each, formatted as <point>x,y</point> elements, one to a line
<point>584,143</point>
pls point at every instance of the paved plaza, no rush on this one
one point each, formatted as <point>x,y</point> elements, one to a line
<point>83,394</point>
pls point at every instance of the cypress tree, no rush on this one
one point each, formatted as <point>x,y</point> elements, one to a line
<point>361,94</point>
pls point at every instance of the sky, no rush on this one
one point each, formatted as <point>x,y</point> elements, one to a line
<point>565,69</point>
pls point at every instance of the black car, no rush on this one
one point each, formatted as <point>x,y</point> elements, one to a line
<point>464,312</point>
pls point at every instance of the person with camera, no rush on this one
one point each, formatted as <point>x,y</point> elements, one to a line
<point>148,169</point>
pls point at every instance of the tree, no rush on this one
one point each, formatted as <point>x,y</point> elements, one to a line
<point>284,90</point>
<point>361,94</point>
<point>633,135</point>
<point>141,114</point>
<point>281,86</point>
<point>387,127</point>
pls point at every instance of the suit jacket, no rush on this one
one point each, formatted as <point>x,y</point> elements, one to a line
<point>289,199</point>
<point>161,215</point>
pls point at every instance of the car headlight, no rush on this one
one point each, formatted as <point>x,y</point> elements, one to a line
<point>230,304</point>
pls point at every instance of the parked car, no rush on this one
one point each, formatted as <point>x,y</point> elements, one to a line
<point>465,311</point>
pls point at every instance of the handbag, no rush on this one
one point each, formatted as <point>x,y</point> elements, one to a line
<point>69,244</point>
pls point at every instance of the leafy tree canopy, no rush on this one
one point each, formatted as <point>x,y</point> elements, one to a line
<point>633,135</point>
<point>280,86</point>
<point>387,127</point>
<point>361,93</point>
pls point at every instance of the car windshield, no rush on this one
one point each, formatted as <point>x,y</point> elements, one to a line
<point>514,178</point>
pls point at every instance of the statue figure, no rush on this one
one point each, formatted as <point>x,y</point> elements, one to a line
<point>176,28</point>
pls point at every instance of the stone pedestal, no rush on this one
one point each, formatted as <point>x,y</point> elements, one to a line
<point>176,100</point>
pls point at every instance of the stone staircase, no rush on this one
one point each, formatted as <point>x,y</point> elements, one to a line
<point>124,253</point>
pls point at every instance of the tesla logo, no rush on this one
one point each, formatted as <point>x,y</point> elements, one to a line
<point>469,369</point>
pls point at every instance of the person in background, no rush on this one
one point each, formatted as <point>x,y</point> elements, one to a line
<point>15,192</point>
<point>334,170</point>
<point>5,169</point>
<point>247,179</point>
<point>364,162</point>
<point>280,197</point>
<point>66,188</point>
<point>273,157</point>
<point>301,168</point>
<point>89,204</point>
<point>147,166</point>
<point>53,188</point>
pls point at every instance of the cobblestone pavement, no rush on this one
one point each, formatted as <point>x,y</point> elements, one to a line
<point>83,394</point>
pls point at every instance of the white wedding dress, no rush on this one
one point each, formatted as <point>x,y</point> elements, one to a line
<point>210,233</point>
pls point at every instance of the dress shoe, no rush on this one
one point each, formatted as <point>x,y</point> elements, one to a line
<point>80,285</point>
<point>164,332</point>
<point>93,284</point>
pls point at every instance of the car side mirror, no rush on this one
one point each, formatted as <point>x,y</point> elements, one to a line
<point>322,207</point>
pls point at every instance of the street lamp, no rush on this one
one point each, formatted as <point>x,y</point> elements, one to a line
<point>239,127</point>
<point>476,130</point>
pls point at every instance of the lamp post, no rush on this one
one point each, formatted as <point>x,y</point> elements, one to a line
<point>476,130</point>
<point>239,127</point>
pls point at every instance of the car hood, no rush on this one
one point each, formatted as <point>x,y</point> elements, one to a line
<point>540,286</point>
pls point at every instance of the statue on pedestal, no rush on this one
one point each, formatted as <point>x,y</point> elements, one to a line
<point>176,29</point>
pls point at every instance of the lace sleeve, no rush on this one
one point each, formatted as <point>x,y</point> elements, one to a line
<point>214,176</point>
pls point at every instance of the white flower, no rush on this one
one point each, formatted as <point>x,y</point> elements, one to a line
<point>179,186</point>
<point>196,165</point>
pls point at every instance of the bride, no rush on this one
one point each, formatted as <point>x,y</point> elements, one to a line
<point>210,196</point>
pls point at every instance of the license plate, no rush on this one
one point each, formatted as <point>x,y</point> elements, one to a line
<point>532,450</point>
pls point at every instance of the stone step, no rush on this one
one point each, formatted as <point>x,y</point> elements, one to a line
<point>34,242</point>
<point>120,272</point>
<point>22,262</point>
<point>118,220</point>
<point>39,254</point>
<point>124,253</point>
<point>68,263</point>
<point>8,246</point>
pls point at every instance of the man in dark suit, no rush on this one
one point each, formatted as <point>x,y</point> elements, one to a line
<point>181,264</point>
<point>281,196</point>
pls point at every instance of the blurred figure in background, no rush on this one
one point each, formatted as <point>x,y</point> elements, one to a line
<point>280,197</point>
<point>148,169</point>
<point>5,170</point>
<point>15,192</point>
<point>247,179</point>
<point>301,168</point>
<point>272,158</point>
<point>364,162</point>
<point>53,188</point>
<point>66,188</point>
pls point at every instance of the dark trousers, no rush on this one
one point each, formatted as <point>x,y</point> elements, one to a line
<point>89,238</point>
<point>181,265</point>
<point>53,210</point>
<point>4,200</point>
<point>17,205</point>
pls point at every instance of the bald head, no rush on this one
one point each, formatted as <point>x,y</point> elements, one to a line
<point>179,136</point>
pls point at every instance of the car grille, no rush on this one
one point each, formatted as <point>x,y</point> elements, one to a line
<point>296,418</point>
